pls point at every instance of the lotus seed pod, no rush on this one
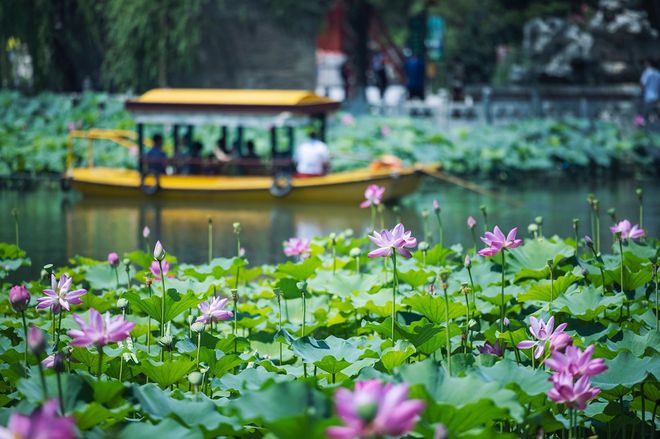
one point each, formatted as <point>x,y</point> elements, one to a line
<point>237,227</point>
<point>532,228</point>
<point>423,246</point>
<point>425,213</point>
<point>195,378</point>
<point>165,341</point>
<point>197,327</point>
<point>538,220</point>
<point>122,303</point>
<point>355,252</point>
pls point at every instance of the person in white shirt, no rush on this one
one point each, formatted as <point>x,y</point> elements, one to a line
<point>312,157</point>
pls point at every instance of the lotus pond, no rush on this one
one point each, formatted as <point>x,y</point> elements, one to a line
<point>384,335</point>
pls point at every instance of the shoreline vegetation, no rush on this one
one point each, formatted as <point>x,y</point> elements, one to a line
<point>380,333</point>
<point>33,134</point>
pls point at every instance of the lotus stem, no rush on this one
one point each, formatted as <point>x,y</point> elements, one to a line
<point>657,311</point>
<point>116,275</point>
<point>502,305</point>
<point>60,394</point>
<point>59,329</point>
<point>304,306</point>
<point>14,213</point>
<point>474,294</point>
<point>44,389</point>
<point>25,339</point>
<point>149,326</point>
<point>440,229</point>
<point>279,307</point>
<point>162,300</point>
<point>474,238</point>
<point>210,240</point>
<point>373,217</point>
<point>395,287</point>
<point>199,345</point>
<point>621,256</point>
<point>467,316</point>
<point>448,338</point>
<point>100,369</point>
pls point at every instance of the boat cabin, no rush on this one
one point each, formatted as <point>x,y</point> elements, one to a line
<point>279,112</point>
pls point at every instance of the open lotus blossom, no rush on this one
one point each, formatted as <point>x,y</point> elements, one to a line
<point>297,247</point>
<point>496,241</point>
<point>545,333</point>
<point>41,424</point>
<point>576,362</point>
<point>471,222</point>
<point>113,259</point>
<point>19,297</point>
<point>213,311</point>
<point>398,239</point>
<point>155,268</point>
<point>100,331</point>
<point>572,393</point>
<point>58,295</point>
<point>375,409</point>
<point>347,119</point>
<point>373,195</point>
<point>385,131</point>
<point>627,230</point>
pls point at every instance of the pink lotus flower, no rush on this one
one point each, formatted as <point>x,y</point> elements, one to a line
<point>347,119</point>
<point>36,340</point>
<point>385,131</point>
<point>639,121</point>
<point>113,259</point>
<point>297,247</point>
<point>100,331</point>
<point>146,232</point>
<point>375,409</point>
<point>19,297</point>
<point>373,196</point>
<point>576,362</point>
<point>545,334</point>
<point>213,311</point>
<point>58,296</point>
<point>54,361</point>
<point>436,205</point>
<point>396,239</point>
<point>574,394</point>
<point>471,222</point>
<point>497,242</point>
<point>493,349</point>
<point>627,231</point>
<point>43,423</point>
<point>155,268</point>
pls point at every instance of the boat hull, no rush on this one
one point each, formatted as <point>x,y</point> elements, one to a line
<point>341,187</point>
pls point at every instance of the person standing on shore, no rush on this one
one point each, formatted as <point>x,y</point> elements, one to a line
<point>650,81</point>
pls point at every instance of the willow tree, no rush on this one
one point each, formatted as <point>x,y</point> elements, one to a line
<point>147,42</point>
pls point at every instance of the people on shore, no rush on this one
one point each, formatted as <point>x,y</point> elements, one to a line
<point>312,157</point>
<point>650,81</point>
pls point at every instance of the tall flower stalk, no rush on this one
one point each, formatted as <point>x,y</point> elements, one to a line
<point>19,298</point>
<point>14,214</point>
<point>159,256</point>
<point>210,232</point>
<point>436,210</point>
<point>447,322</point>
<point>390,242</point>
<point>498,243</point>
<point>640,198</point>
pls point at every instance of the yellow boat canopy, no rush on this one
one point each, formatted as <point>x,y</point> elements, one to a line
<point>229,107</point>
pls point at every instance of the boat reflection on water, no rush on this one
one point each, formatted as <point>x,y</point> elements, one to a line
<point>95,227</point>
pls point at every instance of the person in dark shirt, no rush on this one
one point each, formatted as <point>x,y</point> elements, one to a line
<point>156,157</point>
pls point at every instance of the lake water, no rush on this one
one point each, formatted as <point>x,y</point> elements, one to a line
<point>56,226</point>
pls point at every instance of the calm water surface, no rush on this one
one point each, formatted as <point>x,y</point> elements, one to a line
<point>56,226</point>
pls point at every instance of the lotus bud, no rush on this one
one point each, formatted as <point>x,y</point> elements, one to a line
<point>58,361</point>
<point>431,289</point>
<point>471,222</point>
<point>436,206</point>
<point>355,252</point>
<point>576,223</point>
<point>467,261</point>
<point>126,262</point>
<point>19,297</point>
<point>539,220</point>
<point>612,213</point>
<point>595,204</point>
<point>159,251</point>
<point>195,378</point>
<point>113,259</point>
<point>122,303</point>
<point>36,341</point>
<point>146,232</point>
<point>190,319</point>
<point>423,246</point>
<point>639,193</point>
<point>589,241</point>
<point>197,327</point>
<point>237,227</point>
<point>166,341</point>
<point>506,322</point>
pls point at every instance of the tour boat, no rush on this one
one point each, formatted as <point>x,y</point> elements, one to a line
<point>280,112</point>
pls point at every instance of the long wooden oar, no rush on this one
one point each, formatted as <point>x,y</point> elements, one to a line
<point>439,175</point>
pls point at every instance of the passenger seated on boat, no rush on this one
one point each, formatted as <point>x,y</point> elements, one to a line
<point>221,157</point>
<point>156,158</point>
<point>195,158</point>
<point>312,157</point>
<point>182,157</point>
<point>251,163</point>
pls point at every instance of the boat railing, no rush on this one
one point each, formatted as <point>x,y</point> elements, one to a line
<point>123,138</point>
<point>213,166</point>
